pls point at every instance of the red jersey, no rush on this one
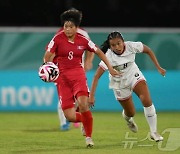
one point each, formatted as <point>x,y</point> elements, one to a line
<point>72,81</point>
<point>69,54</point>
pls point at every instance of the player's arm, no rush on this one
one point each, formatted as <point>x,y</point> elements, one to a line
<point>47,56</point>
<point>52,57</point>
<point>88,62</point>
<point>97,75</point>
<point>151,54</point>
<point>105,60</point>
<point>50,51</point>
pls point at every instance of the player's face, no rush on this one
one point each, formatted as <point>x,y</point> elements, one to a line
<point>117,45</point>
<point>69,29</point>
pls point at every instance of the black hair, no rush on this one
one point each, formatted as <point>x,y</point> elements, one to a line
<point>72,15</point>
<point>115,34</point>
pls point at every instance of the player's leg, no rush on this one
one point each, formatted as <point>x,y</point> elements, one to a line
<point>71,115</point>
<point>69,110</point>
<point>76,124</point>
<point>81,93</point>
<point>86,115</point>
<point>142,91</point>
<point>128,113</point>
<point>125,99</point>
<point>64,123</point>
<point>67,100</point>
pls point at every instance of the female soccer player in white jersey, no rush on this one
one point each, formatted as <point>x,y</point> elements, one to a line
<point>69,47</point>
<point>121,55</point>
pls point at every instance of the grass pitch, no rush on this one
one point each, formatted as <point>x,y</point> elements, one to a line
<point>38,133</point>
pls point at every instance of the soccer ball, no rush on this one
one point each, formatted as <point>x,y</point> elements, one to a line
<point>48,72</point>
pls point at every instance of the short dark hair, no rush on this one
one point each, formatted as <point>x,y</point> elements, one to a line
<point>72,15</point>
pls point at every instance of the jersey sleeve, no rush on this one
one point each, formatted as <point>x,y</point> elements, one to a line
<point>52,46</point>
<point>91,46</point>
<point>137,47</point>
<point>103,65</point>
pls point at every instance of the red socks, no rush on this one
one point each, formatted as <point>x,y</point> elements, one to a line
<point>87,121</point>
<point>78,117</point>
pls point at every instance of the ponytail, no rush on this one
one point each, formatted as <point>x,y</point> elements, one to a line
<point>105,46</point>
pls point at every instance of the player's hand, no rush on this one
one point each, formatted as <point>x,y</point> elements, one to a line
<point>91,101</point>
<point>162,71</point>
<point>114,72</point>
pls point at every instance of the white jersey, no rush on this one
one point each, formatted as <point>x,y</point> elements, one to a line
<point>128,56</point>
<point>124,63</point>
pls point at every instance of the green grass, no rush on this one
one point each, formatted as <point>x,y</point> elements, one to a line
<point>38,132</point>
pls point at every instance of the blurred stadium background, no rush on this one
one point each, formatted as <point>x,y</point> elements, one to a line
<point>27,26</point>
<point>25,29</point>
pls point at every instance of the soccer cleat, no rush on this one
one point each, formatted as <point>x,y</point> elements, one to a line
<point>130,122</point>
<point>76,124</point>
<point>83,130</point>
<point>156,137</point>
<point>66,126</point>
<point>89,142</point>
<point>132,125</point>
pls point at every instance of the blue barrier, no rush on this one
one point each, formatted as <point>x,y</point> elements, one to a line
<point>24,91</point>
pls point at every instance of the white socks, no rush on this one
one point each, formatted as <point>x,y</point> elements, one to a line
<point>151,117</point>
<point>62,118</point>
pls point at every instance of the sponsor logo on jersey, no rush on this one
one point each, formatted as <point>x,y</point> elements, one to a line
<point>136,75</point>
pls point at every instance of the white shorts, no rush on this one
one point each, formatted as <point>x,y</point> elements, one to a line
<point>126,92</point>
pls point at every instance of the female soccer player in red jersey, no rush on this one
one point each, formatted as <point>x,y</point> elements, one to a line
<point>121,55</point>
<point>68,47</point>
<point>87,64</point>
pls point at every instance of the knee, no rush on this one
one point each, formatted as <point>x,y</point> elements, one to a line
<point>83,107</point>
<point>70,117</point>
